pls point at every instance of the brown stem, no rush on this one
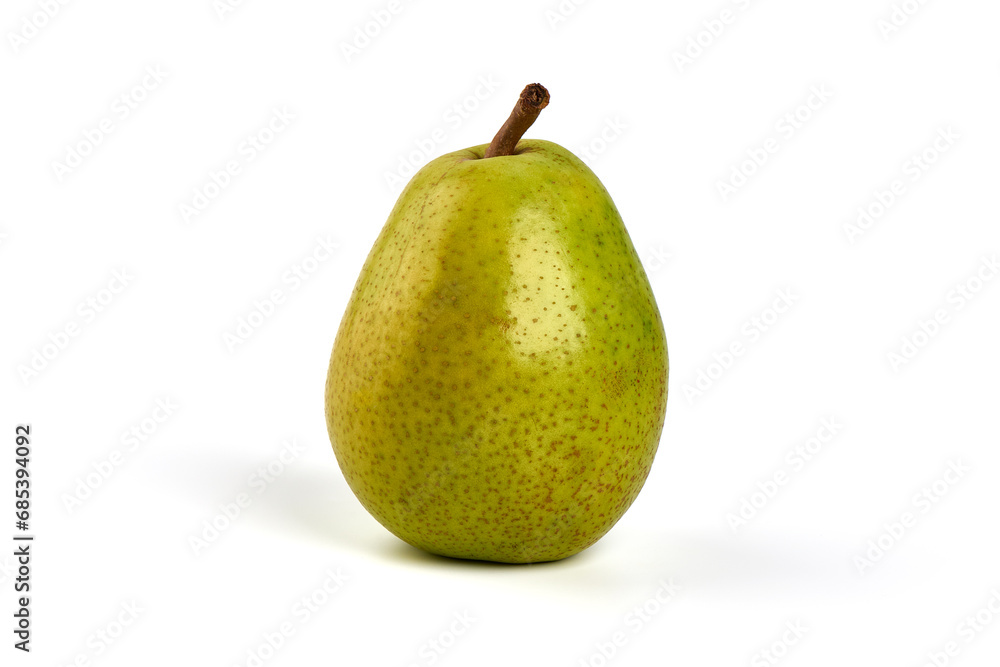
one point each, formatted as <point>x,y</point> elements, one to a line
<point>533,99</point>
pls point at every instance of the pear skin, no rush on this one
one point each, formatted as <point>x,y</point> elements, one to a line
<point>498,384</point>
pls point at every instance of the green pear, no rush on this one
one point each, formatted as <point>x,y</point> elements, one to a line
<point>498,385</point>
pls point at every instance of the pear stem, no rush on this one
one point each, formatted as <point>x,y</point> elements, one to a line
<point>533,99</point>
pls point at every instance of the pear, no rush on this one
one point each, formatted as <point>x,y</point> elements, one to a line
<point>498,384</point>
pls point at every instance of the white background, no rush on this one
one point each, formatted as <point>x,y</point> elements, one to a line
<point>662,134</point>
